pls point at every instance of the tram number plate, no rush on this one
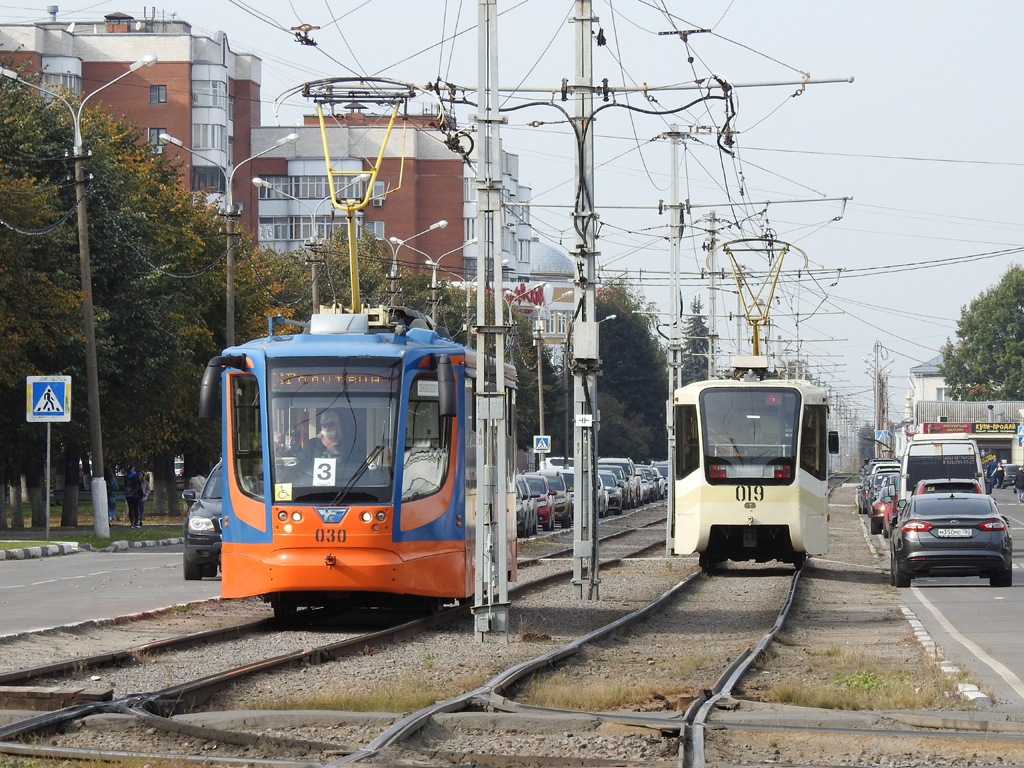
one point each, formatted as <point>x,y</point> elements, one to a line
<point>331,535</point>
<point>749,493</point>
<point>953,533</point>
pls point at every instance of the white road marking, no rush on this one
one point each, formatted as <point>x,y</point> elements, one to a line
<point>83,576</point>
<point>1000,669</point>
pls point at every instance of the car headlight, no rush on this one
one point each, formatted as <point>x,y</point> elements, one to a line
<point>201,525</point>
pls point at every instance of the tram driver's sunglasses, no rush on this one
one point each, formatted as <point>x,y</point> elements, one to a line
<point>328,424</point>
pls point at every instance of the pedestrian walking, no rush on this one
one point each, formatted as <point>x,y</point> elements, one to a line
<point>144,493</point>
<point>111,480</point>
<point>132,491</point>
<point>1018,483</point>
<point>1000,476</point>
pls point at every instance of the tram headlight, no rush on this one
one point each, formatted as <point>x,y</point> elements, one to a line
<point>382,515</point>
<point>297,517</point>
<point>366,517</point>
<point>282,515</point>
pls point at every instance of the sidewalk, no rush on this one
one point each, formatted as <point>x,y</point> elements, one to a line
<point>58,548</point>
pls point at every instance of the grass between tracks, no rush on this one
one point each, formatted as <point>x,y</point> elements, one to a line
<point>404,695</point>
<point>862,683</point>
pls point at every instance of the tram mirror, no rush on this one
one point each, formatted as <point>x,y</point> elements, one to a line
<point>209,388</point>
<point>446,391</point>
<point>833,442</point>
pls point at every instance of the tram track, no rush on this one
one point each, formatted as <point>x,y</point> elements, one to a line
<point>78,669</point>
<point>198,639</point>
<point>491,695</point>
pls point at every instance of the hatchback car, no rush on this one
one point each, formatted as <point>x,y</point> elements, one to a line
<point>882,504</point>
<point>948,485</point>
<point>561,506</point>
<point>526,509</point>
<point>542,493</point>
<point>203,529</point>
<point>614,491</point>
<point>960,534</point>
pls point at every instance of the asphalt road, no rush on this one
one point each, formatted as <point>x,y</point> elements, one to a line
<point>59,591</point>
<point>980,628</point>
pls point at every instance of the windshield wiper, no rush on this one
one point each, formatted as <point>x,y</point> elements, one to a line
<point>360,471</point>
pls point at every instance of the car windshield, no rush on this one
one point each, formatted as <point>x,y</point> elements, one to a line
<point>555,482</point>
<point>608,478</point>
<point>937,505</point>
<point>212,489</point>
<point>962,487</point>
<point>537,486</point>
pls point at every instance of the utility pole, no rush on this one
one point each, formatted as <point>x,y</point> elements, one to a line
<point>675,351</point>
<point>711,243</point>
<point>491,603</point>
<point>586,341</point>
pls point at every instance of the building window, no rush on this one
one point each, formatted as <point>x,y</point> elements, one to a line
<point>73,82</point>
<point>231,108</point>
<point>310,187</point>
<point>281,186</point>
<point>469,228</point>
<point>158,94</point>
<point>524,250</point>
<point>940,393</point>
<point>376,227</point>
<point>231,150</point>
<point>277,228</point>
<point>468,189</point>
<point>154,140</point>
<point>209,93</point>
<point>209,136</point>
<point>207,177</point>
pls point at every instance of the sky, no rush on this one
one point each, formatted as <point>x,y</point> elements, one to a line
<point>921,142</point>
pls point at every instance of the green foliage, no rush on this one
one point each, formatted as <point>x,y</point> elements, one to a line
<point>696,345</point>
<point>634,387</point>
<point>987,360</point>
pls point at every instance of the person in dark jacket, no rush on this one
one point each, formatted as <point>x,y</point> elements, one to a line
<point>1000,476</point>
<point>132,493</point>
<point>1018,483</point>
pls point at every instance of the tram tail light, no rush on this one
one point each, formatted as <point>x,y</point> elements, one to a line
<point>717,471</point>
<point>783,472</point>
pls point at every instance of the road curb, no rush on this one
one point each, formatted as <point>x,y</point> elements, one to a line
<point>966,690</point>
<point>70,548</point>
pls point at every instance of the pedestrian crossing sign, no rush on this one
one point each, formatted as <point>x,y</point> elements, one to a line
<point>542,443</point>
<point>48,398</point>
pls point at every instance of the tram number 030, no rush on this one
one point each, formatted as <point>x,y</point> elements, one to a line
<point>331,535</point>
<point>749,493</point>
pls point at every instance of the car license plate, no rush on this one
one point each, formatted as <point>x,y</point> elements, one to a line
<point>953,533</point>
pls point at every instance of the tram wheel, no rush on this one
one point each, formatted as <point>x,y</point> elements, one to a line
<point>283,610</point>
<point>799,560</point>
<point>707,565</point>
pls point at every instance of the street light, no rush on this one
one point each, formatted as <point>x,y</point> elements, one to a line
<point>398,243</point>
<point>229,211</point>
<point>313,239</point>
<point>100,522</point>
<point>434,264</point>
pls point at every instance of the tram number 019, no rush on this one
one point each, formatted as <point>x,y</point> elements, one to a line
<point>749,493</point>
<point>331,535</point>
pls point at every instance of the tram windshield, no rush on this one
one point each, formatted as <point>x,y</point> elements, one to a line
<point>333,425</point>
<point>749,434</point>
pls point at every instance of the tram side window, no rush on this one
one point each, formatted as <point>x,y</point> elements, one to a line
<point>427,442</point>
<point>248,434</point>
<point>687,441</point>
<point>813,448</point>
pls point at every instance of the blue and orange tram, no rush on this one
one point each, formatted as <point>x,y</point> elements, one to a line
<point>349,464</point>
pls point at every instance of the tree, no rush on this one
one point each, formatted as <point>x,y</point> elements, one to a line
<point>987,360</point>
<point>634,387</point>
<point>697,343</point>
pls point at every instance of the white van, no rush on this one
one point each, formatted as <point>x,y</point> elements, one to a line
<point>939,456</point>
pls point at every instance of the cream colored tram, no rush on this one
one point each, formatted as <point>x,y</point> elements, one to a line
<point>751,474</point>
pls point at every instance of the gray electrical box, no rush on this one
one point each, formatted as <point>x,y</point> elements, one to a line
<point>585,341</point>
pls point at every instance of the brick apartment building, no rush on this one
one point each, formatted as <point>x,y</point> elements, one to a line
<point>207,95</point>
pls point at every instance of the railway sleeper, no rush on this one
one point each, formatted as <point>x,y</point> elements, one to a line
<point>760,543</point>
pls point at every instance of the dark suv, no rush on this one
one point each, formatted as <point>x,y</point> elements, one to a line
<point>203,529</point>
